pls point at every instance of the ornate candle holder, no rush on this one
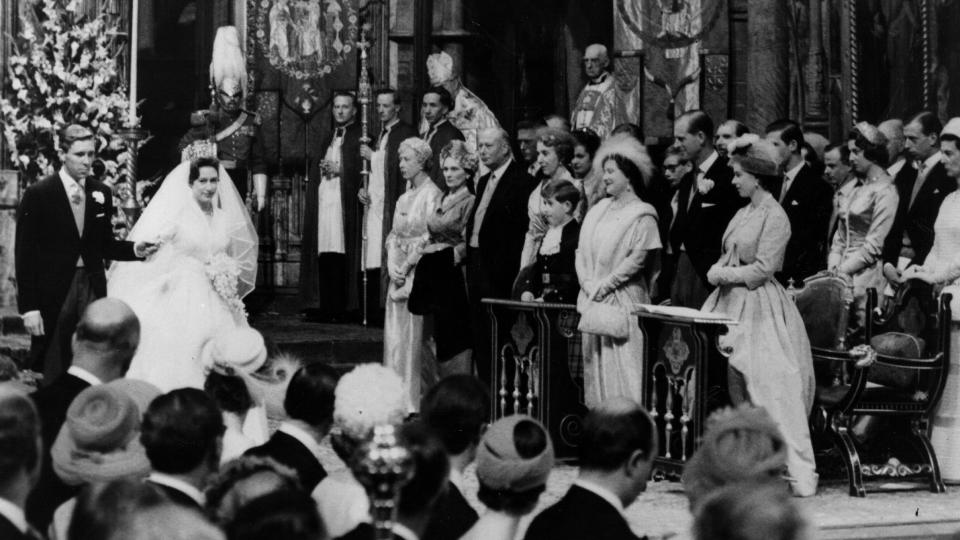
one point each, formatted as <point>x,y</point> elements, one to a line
<point>383,466</point>
<point>133,136</point>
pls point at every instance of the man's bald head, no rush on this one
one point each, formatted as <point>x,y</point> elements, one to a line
<point>493,147</point>
<point>106,338</point>
<point>892,129</point>
<point>595,60</point>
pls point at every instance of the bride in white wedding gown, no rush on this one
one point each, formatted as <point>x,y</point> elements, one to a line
<point>198,218</point>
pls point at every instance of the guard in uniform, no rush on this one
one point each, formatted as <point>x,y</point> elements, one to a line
<point>235,130</point>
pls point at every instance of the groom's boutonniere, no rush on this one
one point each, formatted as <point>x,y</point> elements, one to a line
<point>97,196</point>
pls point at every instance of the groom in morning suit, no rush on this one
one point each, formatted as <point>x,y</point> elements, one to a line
<point>64,236</point>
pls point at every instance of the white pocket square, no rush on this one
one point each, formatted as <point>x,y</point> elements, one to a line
<point>101,215</point>
<point>794,203</point>
<point>707,205</point>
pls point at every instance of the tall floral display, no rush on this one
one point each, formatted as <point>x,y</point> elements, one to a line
<point>64,69</point>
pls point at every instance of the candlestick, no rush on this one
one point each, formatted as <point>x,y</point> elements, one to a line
<point>134,46</point>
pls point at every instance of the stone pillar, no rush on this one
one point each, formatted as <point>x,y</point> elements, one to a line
<point>768,77</point>
<point>814,70</point>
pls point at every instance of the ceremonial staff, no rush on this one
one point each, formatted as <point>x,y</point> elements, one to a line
<point>364,94</point>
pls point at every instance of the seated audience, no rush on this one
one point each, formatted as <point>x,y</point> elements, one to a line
<point>553,276</point>
<point>100,440</point>
<point>750,512</point>
<point>182,432</point>
<point>367,396</point>
<point>20,447</point>
<point>418,497</point>
<point>281,515</point>
<point>740,444</point>
<point>309,406</point>
<point>104,343</point>
<point>617,450</point>
<point>130,509</point>
<point>244,479</point>
<point>514,461</point>
<point>229,359</point>
<point>457,409</point>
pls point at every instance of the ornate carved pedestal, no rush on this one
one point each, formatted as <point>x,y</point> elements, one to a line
<point>686,380</point>
<point>537,367</point>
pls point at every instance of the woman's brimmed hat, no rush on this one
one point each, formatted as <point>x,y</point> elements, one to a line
<point>500,466</point>
<point>241,349</point>
<point>755,155</point>
<point>100,440</point>
<point>870,133</point>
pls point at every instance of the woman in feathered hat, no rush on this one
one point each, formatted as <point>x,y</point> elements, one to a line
<point>770,348</point>
<point>617,260</point>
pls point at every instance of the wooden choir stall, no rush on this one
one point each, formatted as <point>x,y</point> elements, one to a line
<point>537,369</point>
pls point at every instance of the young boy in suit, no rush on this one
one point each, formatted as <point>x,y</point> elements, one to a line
<point>553,277</point>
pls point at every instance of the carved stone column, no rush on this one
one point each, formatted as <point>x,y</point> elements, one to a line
<point>768,82</point>
<point>814,69</point>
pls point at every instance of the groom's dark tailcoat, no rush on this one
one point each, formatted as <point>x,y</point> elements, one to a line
<point>48,245</point>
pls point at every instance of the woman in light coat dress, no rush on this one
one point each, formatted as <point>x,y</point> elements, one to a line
<point>770,348</point>
<point>407,349</point>
<point>617,259</point>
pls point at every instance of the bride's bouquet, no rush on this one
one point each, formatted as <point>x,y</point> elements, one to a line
<point>223,272</point>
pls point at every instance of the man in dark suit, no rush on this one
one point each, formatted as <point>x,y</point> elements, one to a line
<point>380,198</point>
<point>706,202</point>
<point>911,236</point>
<point>617,451</point>
<point>64,236</point>
<point>675,169</point>
<point>103,346</point>
<point>807,201</point>
<point>309,407</point>
<point>20,449</point>
<point>435,106</point>
<point>457,409</point>
<point>182,434</point>
<point>495,234</point>
<point>330,264</point>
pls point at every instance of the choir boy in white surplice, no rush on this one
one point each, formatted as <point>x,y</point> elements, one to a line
<point>386,186</point>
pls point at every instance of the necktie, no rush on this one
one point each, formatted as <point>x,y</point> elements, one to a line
<point>785,186</point>
<point>77,200</point>
<point>918,183</point>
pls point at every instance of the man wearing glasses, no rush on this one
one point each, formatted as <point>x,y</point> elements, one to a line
<point>595,107</point>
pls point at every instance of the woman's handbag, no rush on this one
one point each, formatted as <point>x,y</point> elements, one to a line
<point>605,319</point>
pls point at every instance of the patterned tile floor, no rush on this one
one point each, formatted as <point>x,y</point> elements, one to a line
<point>662,512</point>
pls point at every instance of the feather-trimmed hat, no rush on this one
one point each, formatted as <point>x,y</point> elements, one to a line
<point>242,349</point>
<point>741,444</point>
<point>755,155</point>
<point>628,147</point>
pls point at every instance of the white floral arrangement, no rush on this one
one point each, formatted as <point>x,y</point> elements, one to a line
<point>63,69</point>
<point>224,273</point>
<point>368,396</point>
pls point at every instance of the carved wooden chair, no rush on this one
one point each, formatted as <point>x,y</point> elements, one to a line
<point>899,377</point>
